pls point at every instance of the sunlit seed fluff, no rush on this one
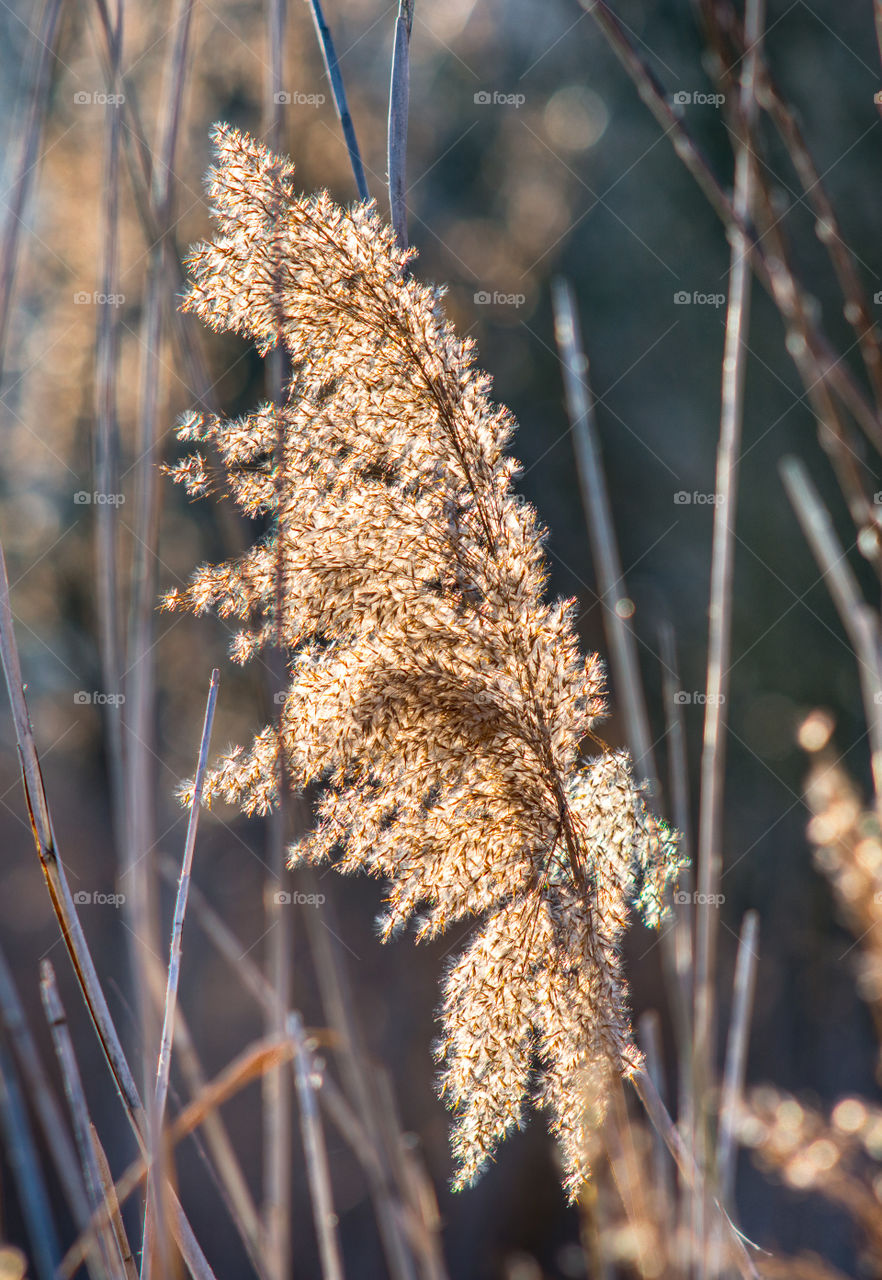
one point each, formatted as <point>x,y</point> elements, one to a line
<point>439,698</point>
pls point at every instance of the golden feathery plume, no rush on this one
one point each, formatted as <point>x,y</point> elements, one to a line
<point>436,695</point>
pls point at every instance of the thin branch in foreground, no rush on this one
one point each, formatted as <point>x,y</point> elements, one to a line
<point>71,930</point>
<point>316,1156</point>
<point>108,1244</point>
<point>338,90</point>
<point>598,513</point>
<point>399,99</point>
<point>357,1134</point>
<point>22,1155</point>
<point>857,617</point>
<point>685,1161</point>
<point>106,444</point>
<point>823,374</point>
<point>52,1123</point>
<point>111,1204</point>
<point>225,1170</point>
<point>53,871</point>
<point>141,907</point>
<point>249,1066</point>
<point>710,822</point>
<point>40,54</point>
<point>736,1054</point>
<point>361,1084</point>
<point>174,963</point>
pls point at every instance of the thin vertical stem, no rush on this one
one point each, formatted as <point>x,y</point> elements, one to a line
<point>595,500</point>
<point>111,1205</point>
<point>684,1158</point>
<point>79,1111</point>
<point>723,556</point>
<point>857,617</point>
<point>276,1088</point>
<point>106,444</point>
<point>49,1114</point>
<point>399,99</point>
<point>140,683</point>
<point>650,1038</point>
<point>53,871</point>
<point>736,1055</point>
<point>174,963</point>
<point>316,1156</point>
<point>276,21</point>
<point>25,1164</point>
<point>65,911</point>
<point>41,54</point>
<point>226,1169</point>
<point>338,90</point>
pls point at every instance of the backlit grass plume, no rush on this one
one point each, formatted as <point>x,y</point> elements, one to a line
<point>436,695</point>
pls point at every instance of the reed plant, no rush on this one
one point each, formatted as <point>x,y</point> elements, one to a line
<point>438,726</point>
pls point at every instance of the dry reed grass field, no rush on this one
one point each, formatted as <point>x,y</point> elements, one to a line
<point>586,706</point>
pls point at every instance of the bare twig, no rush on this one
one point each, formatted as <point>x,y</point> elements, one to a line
<point>65,911</point>
<point>140,674</point>
<point>822,373</point>
<point>685,1161</point>
<point>24,1161</point>
<point>53,871</point>
<point>79,1111</point>
<point>675,733</point>
<point>338,90</point>
<point>174,962</point>
<point>736,1054</point>
<point>360,1083</point>
<point>722,566</point>
<point>595,500</point>
<point>249,1066</point>
<point>41,54</point>
<point>106,445</point>
<point>49,1114</point>
<point>316,1156</point>
<point>399,98</point>
<point>226,1169</point>
<point>111,1205</point>
<point>649,1035</point>
<point>857,617</point>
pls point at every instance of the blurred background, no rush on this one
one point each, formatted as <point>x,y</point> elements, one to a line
<point>530,156</point>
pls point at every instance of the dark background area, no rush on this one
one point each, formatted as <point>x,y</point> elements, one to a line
<point>577,180</point>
